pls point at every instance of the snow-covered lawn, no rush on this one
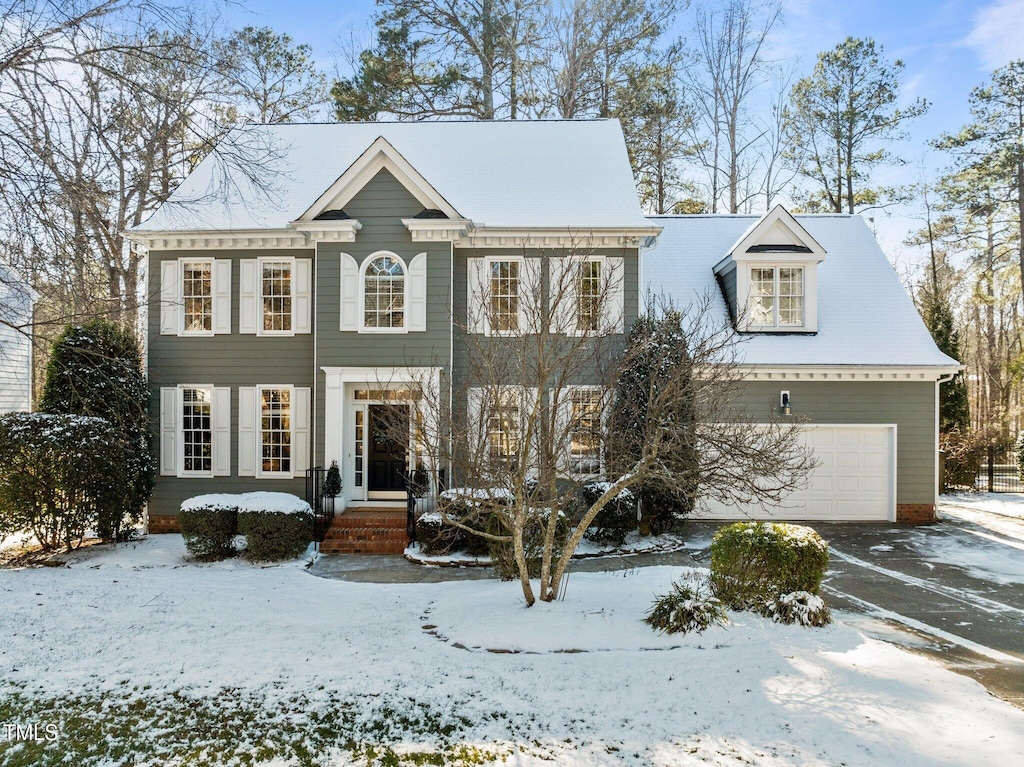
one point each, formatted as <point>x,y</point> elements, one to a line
<point>1003,504</point>
<point>140,657</point>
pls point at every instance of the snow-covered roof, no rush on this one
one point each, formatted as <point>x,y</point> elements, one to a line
<point>515,174</point>
<point>865,316</point>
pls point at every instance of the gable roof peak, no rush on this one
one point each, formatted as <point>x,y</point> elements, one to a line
<point>777,231</point>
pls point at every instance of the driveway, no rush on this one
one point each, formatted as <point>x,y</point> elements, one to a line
<point>953,590</point>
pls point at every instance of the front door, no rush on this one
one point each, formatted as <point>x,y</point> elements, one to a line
<point>387,452</point>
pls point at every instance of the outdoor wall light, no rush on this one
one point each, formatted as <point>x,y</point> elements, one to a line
<point>784,406</point>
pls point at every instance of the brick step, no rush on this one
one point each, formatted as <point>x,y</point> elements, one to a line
<point>366,534</point>
<point>363,547</point>
<point>367,521</point>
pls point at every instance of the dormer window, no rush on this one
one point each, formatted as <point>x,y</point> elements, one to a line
<point>776,296</point>
<point>770,276</point>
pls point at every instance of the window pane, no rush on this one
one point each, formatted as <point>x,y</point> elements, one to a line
<point>503,427</point>
<point>197,431</point>
<point>277,296</point>
<point>504,295</point>
<point>384,293</point>
<point>585,431</point>
<point>588,291</point>
<point>275,430</point>
<point>197,296</point>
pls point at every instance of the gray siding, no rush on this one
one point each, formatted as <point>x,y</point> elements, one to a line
<point>224,360</point>
<point>909,405</point>
<point>463,345</point>
<point>380,207</point>
<point>15,346</point>
<point>727,281</point>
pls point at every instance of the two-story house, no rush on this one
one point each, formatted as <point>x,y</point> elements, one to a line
<point>295,303</point>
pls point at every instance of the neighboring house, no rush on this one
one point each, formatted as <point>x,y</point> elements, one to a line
<point>288,305</point>
<point>16,299</point>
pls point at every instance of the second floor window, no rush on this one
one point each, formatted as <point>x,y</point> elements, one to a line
<point>384,293</point>
<point>777,296</point>
<point>197,296</point>
<point>276,295</point>
<point>588,296</point>
<point>503,287</point>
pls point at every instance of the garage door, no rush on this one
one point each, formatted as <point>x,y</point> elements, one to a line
<point>854,479</point>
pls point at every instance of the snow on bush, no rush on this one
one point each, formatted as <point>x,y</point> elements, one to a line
<point>799,607</point>
<point>755,562</point>
<point>616,520</point>
<point>262,501</point>
<point>691,605</point>
<point>276,525</point>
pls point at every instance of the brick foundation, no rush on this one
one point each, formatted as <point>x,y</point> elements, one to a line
<point>915,513</point>
<point>163,523</point>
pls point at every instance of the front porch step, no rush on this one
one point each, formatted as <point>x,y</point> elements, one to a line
<point>366,531</point>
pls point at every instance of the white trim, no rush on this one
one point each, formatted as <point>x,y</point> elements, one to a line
<point>810,295</point>
<point>380,155</point>
<point>212,262</point>
<point>361,320</point>
<point>260,261</point>
<point>845,372</point>
<point>558,237</point>
<point>179,436</point>
<point>343,230</point>
<point>438,229</point>
<point>783,219</point>
<point>260,473</point>
<point>243,239</point>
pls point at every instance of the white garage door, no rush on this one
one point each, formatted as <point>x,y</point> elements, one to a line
<point>854,479</point>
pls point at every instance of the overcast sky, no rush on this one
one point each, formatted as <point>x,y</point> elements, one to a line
<point>948,47</point>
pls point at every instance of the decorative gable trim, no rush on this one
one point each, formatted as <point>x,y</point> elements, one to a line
<point>846,372</point>
<point>380,155</point>
<point>580,240</point>
<point>777,232</point>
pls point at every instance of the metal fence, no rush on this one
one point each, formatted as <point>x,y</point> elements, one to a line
<point>322,505</point>
<point>998,472</point>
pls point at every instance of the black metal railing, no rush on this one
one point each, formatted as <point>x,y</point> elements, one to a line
<point>999,472</point>
<point>322,505</point>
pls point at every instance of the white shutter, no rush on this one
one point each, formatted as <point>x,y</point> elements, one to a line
<point>476,424</point>
<point>530,294</point>
<point>476,295</point>
<point>247,431</point>
<point>302,291</point>
<point>531,418</point>
<point>170,406</point>
<point>300,430</point>
<point>221,416</point>
<point>416,285</point>
<point>561,440</point>
<point>349,293</point>
<point>222,296</point>
<point>615,306</point>
<point>561,296</point>
<point>170,298</point>
<point>248,306</point>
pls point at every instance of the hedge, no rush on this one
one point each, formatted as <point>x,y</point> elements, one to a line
<point>755,562</point>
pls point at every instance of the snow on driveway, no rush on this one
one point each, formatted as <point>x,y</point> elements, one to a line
<point>582,682</point>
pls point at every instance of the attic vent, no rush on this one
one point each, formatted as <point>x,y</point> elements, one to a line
<point>333,215</point>
<point>430,213</point>
<point>787,248</point>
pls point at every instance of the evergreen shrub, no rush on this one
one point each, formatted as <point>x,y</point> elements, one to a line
<point>755,562</point>
<point>798,607</point>
<point>691,605</point>
<point>209,529</point>
<point>59,474</point>
<point>272,536</point>
<point>616,520</point>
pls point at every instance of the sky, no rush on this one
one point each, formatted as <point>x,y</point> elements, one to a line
<point>948,47</point>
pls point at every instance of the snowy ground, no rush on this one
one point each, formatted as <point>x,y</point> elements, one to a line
<point>140,657</point>
<point>1003,504</point>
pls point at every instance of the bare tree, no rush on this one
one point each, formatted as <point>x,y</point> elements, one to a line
<point>524,426</point>
<point>730,67</point>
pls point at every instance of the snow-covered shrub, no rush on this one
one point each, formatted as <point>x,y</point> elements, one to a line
<point>503,552</point>
<point>798,607</point>
<point>209,524</point>
<point>473,508</point>
<point>95,369</point>
<point>272,535</point>
<point>753,562</point>
<point>691,605</point>
<point>436,536</point>
<point>616,520</point>
<point>58,473</point>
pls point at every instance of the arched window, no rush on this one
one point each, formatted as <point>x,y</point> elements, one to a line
<point>384,293</point>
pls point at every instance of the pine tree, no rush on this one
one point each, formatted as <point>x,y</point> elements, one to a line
<point>95,369</point>
<point>953,405</point>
